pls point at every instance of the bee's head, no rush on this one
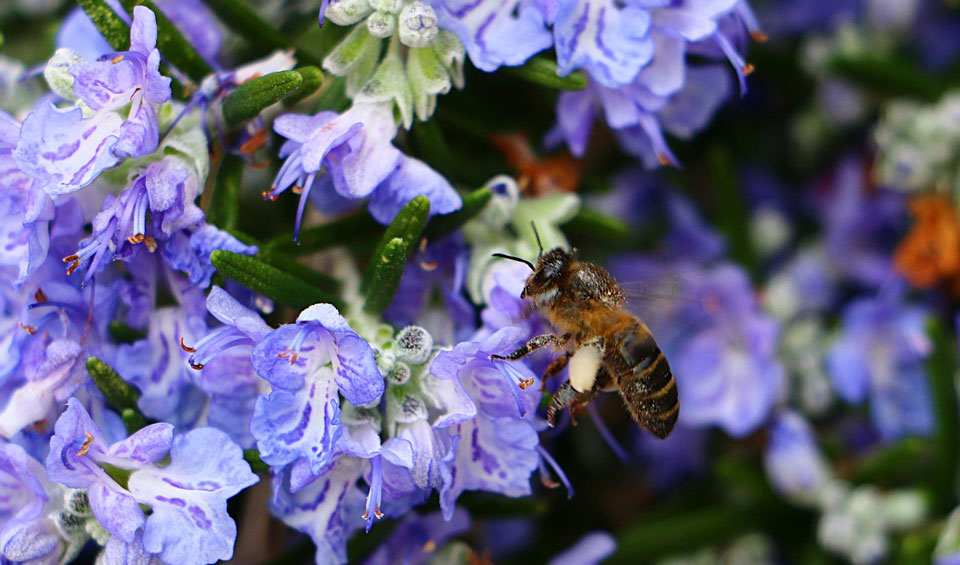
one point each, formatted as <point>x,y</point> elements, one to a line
<point>544,281</point>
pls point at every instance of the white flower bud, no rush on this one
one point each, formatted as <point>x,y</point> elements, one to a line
<point>870,548</point>
<point>415,344</point>
<point>904,509</point>
<point>347,12</point>
<point>69,525</point>
<point>418,25</point>
<point>387,6</point>
<point>77,502</point>
<point>412,409</point>
<point>57,72</point>
<point>385,360</point>
<point>381,24</point>
<point>770,229</point>
<point>838,532</point>
<point>400,374</point>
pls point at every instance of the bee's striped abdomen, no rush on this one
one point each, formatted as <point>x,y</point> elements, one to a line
<point>644,378</point>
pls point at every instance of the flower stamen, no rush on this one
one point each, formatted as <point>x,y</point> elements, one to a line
<point>86,445</point>
<point>288,353</point>
<point>73,261</point>
<point>185,347</point>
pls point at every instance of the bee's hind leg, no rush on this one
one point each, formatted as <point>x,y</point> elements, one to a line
<point>565,396</point>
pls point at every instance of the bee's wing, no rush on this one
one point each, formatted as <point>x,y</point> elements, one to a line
<point>655,295</point>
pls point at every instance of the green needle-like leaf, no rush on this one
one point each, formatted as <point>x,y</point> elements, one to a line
<point>312,81</point>
<point>385,273</point>
<point>270,281</point>
<point>407,226</point>
<point>543,71</point>
<point>251,97</point>
<point>120,394</point>
<point>224,210</point>
<point>109,24</point>
<point>732,217</point>
<point>288,264</point>
<point>596,225</point>
<point>252,456</point>
<point>889,76</point>
<point>473,204</point>
<point>171,43</point>
<point>941,368</point>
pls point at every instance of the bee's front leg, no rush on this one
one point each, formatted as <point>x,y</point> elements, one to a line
<point>534,344</point>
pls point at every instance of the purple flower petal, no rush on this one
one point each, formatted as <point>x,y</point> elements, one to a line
<point>411,179</point>
<point>302,424</point>
<point>494,455</point>
<point>609,41</point>
<point>64,151</point>
<point>189,523</point>
<point>496,32</point>
<point>229,311</point>
<point>117,511</point>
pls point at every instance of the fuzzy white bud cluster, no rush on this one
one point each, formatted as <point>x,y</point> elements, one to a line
<point>415,23</point>
<point>421,61</point>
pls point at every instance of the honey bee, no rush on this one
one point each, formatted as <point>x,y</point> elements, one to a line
<point>606,347</point>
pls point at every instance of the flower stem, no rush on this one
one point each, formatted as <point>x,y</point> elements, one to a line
<point>941,368</point>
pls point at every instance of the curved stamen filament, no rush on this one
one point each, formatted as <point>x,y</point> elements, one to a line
<point>558,471</point>
<point>210,346</point>
<point>376,492</point>
<point>86,445</point>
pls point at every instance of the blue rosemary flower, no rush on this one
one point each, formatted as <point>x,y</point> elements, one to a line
<point>66,151</point>
<point>329,506</point>
<point>25,210</point>
<point>355,150</point>
<point>880,355</point>
<point>310,363</point>
<point>188,522</point>
<point>498,449</point>
<point>792,459</point>
<point>25,532</point>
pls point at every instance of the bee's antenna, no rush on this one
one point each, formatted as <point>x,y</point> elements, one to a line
<point>517,259</point>
<point>535,233</point>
